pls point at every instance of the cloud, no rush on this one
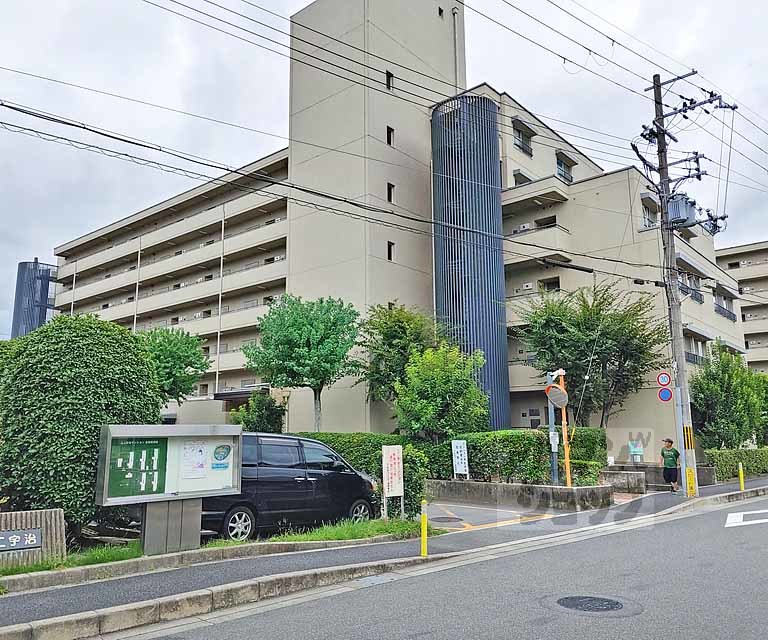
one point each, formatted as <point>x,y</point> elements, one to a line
<point>51,193</point>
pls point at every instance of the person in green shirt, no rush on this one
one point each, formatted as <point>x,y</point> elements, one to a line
<point>669,459</point>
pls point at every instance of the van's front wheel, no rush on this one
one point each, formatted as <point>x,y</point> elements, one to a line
<point>239,524</point>
<point>360,511</point>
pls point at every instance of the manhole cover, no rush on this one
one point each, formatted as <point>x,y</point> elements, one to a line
<point>590,603</point>
<point>445,519</point>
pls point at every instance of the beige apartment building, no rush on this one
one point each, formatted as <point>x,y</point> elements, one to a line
<point>211,259</point>
<point>748,264</point>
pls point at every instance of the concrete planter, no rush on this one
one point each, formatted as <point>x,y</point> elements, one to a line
<point>525,496</point>
<point>624,481</point>
<point>654,473</point>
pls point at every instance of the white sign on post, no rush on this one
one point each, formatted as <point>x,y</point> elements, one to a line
<point>554,441</point>
<point>460,458</point>
<point>392,467</point>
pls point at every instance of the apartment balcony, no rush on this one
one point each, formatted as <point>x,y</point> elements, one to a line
<point>695,294</point>
<point>535,194</point>
<point>755,325</point>
<point>726,313</point>
<point>162,235</point>
<point>96,288</point>
<point>169,298</point>
<point>754,271</point>
<point>240,318</point>
<point>523,377</point>
<point>757,354</point>
<point>229,361</point>
<point>556,239</point>
<point>694,358</point>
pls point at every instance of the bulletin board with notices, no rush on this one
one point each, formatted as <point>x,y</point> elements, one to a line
<point>148,463</point>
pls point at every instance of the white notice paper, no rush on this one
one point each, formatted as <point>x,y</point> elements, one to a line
<point>460,458</point>
<point>392,470</point>
<point>195,457</point>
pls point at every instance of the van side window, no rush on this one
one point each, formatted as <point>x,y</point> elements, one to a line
<point>280,453</point>
<point>318,457</point>
<point>250,451</point>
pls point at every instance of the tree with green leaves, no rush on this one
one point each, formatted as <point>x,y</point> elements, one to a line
<point>607,340</point>
<point>439,396</point>
<point>389,336</point>
<point>728,400</point>
<point>305,343</point>
<point>61,383</point>
<point>261,413</point>
<point>178,360</point>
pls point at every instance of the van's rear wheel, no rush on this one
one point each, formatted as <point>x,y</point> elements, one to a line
<point>360,510</point>
<point>239,524</point>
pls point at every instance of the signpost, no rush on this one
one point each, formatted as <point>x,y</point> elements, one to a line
<point>460,458</point>
<point>169,471</point>
<point>558,396</point>
<point>392,484</point>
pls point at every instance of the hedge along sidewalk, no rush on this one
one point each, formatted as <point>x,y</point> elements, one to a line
<point>93,624</point>
<point>77,575</point>
<point>726,461</point>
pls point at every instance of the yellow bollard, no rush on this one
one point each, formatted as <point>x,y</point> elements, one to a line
<point>741,476</point>
<point>423,528</point>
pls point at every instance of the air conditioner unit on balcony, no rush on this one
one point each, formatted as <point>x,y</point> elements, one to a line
<point>198,315</point>
<point>526,226</point>
<point>528,286</point>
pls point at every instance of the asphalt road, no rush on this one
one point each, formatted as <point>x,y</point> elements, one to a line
<point>690,577</point>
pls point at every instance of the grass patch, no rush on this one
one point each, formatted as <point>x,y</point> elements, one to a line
<point>349,530</point>
<point>95,555</point>
<point>222,542</point>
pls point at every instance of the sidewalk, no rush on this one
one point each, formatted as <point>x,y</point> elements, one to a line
<point>59,601</point>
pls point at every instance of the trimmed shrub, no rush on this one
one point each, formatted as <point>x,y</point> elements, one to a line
<point>726,461</point>
<point>261,413</point>
<point>584,473</point>
<point>515,454</point>
<point>61,383</point>
<point>589,443</point>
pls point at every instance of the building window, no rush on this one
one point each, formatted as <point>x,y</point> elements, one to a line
<point>564,171</point>
<point>650,218</point>
<point>390,250</point>
<point>390,80</point>
<point>523,141</point>
<point>204,389</point>
<point>390,136</point>
<point>390,192</point>
<point>175,320</point>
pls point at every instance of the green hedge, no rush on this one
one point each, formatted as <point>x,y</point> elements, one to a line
<point>515,454</point>
<point>726,461</point>
<point>584,473</point>
<point>589,443</point>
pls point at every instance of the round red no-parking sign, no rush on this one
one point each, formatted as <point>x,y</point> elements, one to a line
<point>665,394</point>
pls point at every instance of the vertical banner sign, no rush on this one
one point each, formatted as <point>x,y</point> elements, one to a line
<point>392,470</point>
<point>460,458</point>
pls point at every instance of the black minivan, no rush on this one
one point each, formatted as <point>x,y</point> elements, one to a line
<point>289,481</point>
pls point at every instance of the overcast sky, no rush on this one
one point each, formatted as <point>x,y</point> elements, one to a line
<point>51,193</point>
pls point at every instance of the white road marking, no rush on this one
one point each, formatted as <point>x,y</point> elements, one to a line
<point>737,519</point>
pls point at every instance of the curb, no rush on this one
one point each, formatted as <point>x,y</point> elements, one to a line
<point>90,624</point>
<point>144,564</point>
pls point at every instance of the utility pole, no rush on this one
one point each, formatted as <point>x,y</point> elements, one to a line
<point>659,135</point>
<point>673,292</point>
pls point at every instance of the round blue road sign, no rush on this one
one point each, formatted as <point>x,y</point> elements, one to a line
<point>665,394</point>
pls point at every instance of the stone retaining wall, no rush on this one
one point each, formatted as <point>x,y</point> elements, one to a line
<point>524,496</point>
<point>48,524</point>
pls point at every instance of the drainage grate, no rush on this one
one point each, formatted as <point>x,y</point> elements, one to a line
<point>445,519</point>
<point>590,604</point>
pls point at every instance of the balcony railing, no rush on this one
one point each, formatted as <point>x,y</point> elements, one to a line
<point>726,313</point>
<point>695,294</point>
<point>192,283</point>
<point>694,358</point>
<point>524,146</point>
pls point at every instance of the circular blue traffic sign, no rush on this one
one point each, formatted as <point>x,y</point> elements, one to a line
<point>665,394</point>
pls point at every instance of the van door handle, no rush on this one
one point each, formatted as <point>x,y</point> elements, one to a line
<point>300,479</point>
<point>312,479</point>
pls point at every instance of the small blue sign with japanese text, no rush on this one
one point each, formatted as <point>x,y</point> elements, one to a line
<point>20,540</point>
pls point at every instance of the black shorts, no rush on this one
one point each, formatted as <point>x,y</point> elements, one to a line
<point>670,474</point>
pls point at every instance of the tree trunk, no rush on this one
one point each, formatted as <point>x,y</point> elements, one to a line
<point>318,409</point>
